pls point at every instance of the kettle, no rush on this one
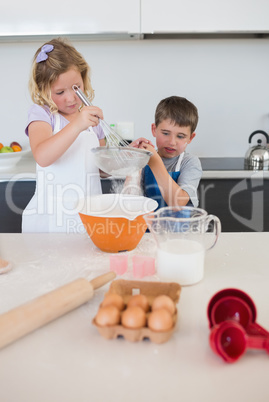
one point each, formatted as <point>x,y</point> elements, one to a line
<point>257,156</point>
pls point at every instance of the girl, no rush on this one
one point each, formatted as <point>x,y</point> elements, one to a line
<point>62,133</point>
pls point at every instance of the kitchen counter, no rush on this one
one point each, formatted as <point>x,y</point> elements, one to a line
<point>213,168</point>
<point>25,169</point>
<point>238,197</point>
<point>229,168</point>
<point>69,361</point>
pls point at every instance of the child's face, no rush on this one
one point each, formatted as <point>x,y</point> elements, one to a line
<point>171,139</point>
<point>62,93</point>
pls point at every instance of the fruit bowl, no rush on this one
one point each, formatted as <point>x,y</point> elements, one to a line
<point>115,222</point>
<point>9,159</point>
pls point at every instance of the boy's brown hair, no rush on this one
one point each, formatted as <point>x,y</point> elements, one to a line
<point>179,111</point>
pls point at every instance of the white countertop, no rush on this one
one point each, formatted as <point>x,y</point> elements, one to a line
<point>25,170</point>
<point>69,361</point>
<point>235,174</point>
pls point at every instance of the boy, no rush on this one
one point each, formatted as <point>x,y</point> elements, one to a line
<point>172,175</point>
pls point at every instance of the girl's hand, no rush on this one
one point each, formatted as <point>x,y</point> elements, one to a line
<point>89,116</point>
<point>138,143</point>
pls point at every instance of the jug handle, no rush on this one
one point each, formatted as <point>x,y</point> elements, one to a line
<point>217,227</point>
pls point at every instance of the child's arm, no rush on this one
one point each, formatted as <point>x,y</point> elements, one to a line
<point>139,143</point>
<point>102,142</point>
<point>47,148</point>
<point>171,192</point>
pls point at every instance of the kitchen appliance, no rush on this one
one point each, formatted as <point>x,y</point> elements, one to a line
<point>117,158</point>
<point>257,156</point>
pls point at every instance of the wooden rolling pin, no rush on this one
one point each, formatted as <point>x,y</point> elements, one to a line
<point>26,318</point>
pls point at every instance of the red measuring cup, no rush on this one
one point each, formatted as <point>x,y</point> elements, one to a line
<point>236,305</point>
<point>230,341</point>
<point>232,314</point>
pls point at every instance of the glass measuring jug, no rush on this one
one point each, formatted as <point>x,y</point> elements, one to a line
<point>182,234</point>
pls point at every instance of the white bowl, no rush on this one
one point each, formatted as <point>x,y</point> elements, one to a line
<point>10,159</point>
<point>117,206</point>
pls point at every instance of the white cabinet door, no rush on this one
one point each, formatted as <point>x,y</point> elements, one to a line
<point>190,16</point>
<point>54,17</point>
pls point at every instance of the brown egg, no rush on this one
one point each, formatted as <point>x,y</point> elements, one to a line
<point>113,299</point>
<point>160,320</point>
<point>140,301</point>
<point>107,316</point>
<point>133,317</point>
<point>164,301</point>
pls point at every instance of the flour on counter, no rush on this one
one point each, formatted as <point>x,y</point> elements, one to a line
<point>5,266</point>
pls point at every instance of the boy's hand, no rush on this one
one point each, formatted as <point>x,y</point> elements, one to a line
<point>155,159</point>
<point>138,143</point>
<point>143,143</point>
<point>147,146</point>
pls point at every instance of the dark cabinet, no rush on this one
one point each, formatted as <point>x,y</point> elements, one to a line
<point>14,196</point>
<point>240,204</point>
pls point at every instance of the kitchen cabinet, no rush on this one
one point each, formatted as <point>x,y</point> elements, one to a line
<point>14,196</point>
<point>57,18</point>
<point>204,16</point>
<point>239,203</point>
<point>132,18</point>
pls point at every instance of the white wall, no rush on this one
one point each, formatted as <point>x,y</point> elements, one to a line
<point>227,79</point>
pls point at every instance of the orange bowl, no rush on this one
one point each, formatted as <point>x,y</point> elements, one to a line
<point>115,222</point>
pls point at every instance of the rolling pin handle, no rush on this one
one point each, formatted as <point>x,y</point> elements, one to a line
<point>102,279</point>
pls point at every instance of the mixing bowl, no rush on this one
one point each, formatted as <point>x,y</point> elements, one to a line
<point>115,222</point>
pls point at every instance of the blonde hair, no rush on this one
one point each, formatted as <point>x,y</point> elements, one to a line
<point>179,111</point>
<point>43,74</point>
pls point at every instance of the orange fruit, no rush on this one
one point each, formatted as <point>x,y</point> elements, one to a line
<point>16,148</point>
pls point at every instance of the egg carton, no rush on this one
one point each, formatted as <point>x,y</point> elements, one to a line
<point>126,289</point>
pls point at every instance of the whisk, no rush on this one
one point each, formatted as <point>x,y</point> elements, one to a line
<point>117,158</point>
<point>112,137</point>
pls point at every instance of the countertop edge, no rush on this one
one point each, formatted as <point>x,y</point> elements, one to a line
<point>26,170</point>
